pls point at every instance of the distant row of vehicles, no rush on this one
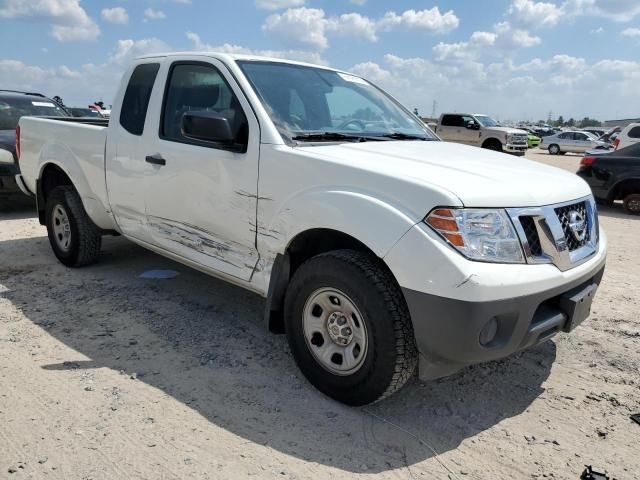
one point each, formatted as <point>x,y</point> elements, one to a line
<point>611,165</point>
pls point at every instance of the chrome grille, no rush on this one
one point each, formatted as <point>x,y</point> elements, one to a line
<point>563,214</point>
<point>564,234</point>
<point>531,234</point>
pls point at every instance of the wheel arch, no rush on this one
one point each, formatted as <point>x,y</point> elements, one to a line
<point>491,141</point>
<point>303,246</point>
<point>623,188</point>
<point>51,176</point>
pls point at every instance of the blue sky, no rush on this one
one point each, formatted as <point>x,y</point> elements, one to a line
<point>514,59</point>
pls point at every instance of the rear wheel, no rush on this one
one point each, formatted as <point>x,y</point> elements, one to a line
<point>632,203</point>
<point>349,328</point>
<point>554,149</point>
<point>74,238</point>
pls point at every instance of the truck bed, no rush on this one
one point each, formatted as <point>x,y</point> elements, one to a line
<point>75,145</point>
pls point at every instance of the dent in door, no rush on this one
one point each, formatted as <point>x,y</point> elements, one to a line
<point>228,256</point>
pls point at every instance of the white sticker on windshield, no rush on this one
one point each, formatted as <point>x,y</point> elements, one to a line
<point>351,78</point>
<point>43,104</point>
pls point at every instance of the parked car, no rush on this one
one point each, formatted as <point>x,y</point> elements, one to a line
<point>573,141</point>
<point>481,131</point>
<point>533,140</point>
<point>13,105</point>
<point>377,246</point>
<point>615,176</point>
<point>84,112</point>
<point>628,136</point>
<point>597,131</point>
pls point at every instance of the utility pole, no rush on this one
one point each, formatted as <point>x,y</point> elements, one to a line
<point>550,117</point>
<point>433,110</point>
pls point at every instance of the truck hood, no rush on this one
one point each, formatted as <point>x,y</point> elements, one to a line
<point>477,177</point>
<point>506,130</point>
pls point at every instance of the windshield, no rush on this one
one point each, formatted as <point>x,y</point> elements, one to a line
<point>307,101</point>
<point>487,121</point>
<point>11,109</point>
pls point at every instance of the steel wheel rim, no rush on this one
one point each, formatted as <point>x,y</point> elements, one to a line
<point>335,331</point>
<point>61,228</point>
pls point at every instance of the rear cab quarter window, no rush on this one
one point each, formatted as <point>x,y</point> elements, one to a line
<point>136,97</point>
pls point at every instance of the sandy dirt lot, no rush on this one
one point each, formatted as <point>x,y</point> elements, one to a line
<point>106,375</point>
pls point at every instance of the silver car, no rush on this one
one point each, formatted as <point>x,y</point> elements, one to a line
<point>574,141</point>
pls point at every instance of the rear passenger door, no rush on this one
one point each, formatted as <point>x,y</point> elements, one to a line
<point>449,128</point>
<point>201,198</point>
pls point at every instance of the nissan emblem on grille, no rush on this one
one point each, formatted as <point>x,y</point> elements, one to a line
<point>577,225</point>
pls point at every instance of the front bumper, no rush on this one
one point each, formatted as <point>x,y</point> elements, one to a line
<point>519,148</point>
<point>448,331</point>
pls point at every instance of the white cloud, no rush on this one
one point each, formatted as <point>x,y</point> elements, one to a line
<point>597,31</point>
<point>115,15</point>
<point>431,21</point>
<point>278,4</point>
<point>298,27</point>
<point>310,27</point>
<point>631,32</point>
<point>151,14</point>
<point>68,20</point>
<point>569,85</point>
<point>485,44</point>
<point>126,50</point>
<point>353,25</point>
<point>533,13</point>
<point>358,2</point>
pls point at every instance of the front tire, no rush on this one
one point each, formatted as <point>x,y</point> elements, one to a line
<point>74,238</point>
<point>349,328</point>
<point>631,203</point>
<point>494,145</point>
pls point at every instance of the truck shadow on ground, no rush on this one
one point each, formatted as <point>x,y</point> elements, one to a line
<point>203,342</point>
<point>616,210</point>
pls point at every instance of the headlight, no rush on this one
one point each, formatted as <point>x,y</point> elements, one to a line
<point>479,234</point>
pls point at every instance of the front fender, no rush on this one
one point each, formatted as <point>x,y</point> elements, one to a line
<point>364,217</point>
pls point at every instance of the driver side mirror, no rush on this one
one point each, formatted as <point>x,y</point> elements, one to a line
<point>472,126</point>
<point>207,126</point>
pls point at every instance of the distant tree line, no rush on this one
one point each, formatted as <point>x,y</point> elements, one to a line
<point>585,122</point>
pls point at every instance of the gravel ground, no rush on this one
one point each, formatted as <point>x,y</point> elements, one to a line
<point>107,375</point>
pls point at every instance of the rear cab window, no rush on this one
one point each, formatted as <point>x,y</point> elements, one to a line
<point>451,121</point>
<point>136,98</point>
<point>634,132</point>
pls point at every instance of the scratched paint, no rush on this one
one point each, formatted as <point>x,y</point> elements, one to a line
<point>204,242</point>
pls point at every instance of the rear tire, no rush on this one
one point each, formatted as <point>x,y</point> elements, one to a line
<point>631,203</point>
<point>358,290</point>
<point>554,149</point>
<point>74,238</point>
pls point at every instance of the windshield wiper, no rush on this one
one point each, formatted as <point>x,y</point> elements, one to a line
<point>329,136</point>
<point>404,136</point>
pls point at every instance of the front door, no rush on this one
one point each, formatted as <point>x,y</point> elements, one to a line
<point>201,199</point>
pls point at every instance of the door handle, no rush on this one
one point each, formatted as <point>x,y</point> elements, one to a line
<point>155,160</point>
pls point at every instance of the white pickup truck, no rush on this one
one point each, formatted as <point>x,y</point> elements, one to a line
<point>378,247</point>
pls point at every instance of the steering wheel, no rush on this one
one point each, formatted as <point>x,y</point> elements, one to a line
<point>354,121</point>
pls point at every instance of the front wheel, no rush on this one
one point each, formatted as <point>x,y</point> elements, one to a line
<point>554,149</point>
<point>74,238</point>
<point>631,203</point>
<point>349,328</point>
